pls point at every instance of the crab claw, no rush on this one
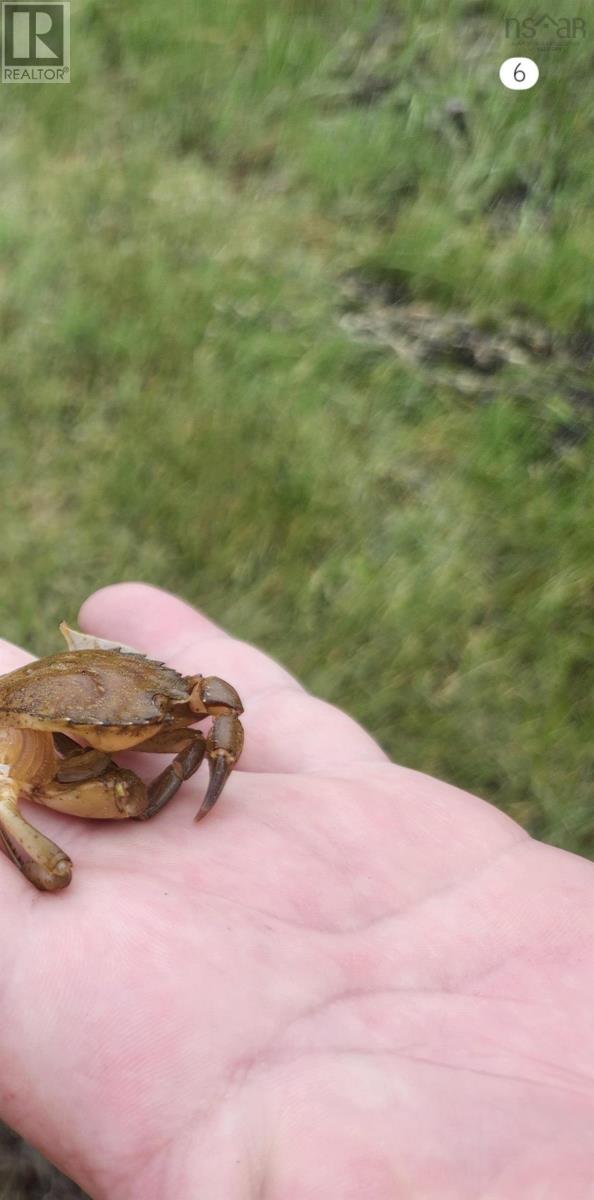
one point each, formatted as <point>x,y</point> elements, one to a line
<point>223,748</point>
<point>214,696</point>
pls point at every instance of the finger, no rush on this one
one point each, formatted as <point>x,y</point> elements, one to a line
<point>286,728</point>
<point>12,656</point>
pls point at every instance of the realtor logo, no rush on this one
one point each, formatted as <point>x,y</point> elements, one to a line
<point>562,29</point>
<point>36,42</point>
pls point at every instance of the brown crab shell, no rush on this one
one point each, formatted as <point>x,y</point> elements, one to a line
<point>104,695</point>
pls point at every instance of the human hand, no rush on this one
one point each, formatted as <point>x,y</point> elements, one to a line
<point>350,981</point>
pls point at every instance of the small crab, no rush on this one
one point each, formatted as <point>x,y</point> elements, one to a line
<point>112,698</point>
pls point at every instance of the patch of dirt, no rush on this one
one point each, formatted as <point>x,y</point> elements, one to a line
<point>581,343</point>
<point>363,67</point>
<point>381,310</point>
<point>505,206</point>
<point>459,352</point>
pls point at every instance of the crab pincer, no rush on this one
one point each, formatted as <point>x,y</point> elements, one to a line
<point>217,698</point>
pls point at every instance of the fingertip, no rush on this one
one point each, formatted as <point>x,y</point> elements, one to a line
<point>143,615</point>
<point>111,602</point>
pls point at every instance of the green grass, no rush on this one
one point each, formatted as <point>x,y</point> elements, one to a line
<point>180,403</point>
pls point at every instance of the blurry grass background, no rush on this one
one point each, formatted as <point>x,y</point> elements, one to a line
<point>182,400</point>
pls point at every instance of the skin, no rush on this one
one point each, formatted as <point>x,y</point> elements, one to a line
<point>350,980</point>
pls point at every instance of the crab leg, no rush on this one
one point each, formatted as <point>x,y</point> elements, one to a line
<point>78,762</point>
<point>191,746</point>
<point>216,698</point>
<point>42,862</point>
<point>115,795</point>
<point>118,793</point>
<point>223,747</point>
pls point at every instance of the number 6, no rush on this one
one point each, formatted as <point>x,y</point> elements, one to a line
<point>519,74</point>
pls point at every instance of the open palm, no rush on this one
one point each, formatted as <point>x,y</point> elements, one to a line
<point>350,981</point>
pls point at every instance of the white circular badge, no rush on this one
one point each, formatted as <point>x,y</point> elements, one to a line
<point>518,73</point>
